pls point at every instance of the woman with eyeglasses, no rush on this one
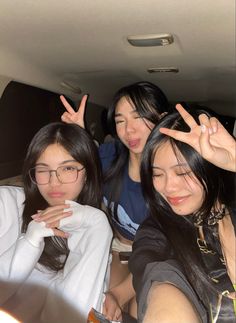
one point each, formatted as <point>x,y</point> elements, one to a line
<point>52,232</point>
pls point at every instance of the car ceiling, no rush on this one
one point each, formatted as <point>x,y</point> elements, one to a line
<point>84,43</point>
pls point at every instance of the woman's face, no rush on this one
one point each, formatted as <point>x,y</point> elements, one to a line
<point>56,192</point>
<point>175,181</point>
<point>132,130</point>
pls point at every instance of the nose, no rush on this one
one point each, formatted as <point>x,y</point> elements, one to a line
<point>130,127</point>
<point>54,181</point>
<point>171,185</point>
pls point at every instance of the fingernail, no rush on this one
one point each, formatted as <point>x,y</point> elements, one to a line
<point>203,128</point>
<point>210,131</point>
<point>214,129</point>
<point>35,216</point>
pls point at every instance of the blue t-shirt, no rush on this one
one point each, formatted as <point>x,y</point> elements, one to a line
<point>131,209</point>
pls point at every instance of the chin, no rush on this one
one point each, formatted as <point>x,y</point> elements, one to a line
<point>181,212</point>
<point>54,202</point>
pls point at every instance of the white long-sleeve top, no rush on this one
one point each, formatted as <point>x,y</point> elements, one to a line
<point>81,283</point>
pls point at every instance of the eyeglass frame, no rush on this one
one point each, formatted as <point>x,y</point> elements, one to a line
<point>53,171</point>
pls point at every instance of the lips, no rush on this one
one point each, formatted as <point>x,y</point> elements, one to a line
<point>133,143</point>
<point>56,194</point>
<point>176,200</point>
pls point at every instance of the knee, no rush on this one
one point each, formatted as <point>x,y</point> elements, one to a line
<point>168,304</point>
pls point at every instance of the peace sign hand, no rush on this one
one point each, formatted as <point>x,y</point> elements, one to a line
<point>72,116</point>
<point>210,139</point>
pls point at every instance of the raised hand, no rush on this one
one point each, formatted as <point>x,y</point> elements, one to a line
<point>72,116</point>
<point>52,216</point>
<point>210,139</point>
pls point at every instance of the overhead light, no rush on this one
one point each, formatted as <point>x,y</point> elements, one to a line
<point>163,70</point>
<point>150,40</point>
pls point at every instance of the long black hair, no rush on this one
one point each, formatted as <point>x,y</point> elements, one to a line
<point>150,103</point>
<point>180,230</point>
<point>81,147</point>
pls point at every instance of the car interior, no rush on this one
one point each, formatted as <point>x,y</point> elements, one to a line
<point>80,47</point>
<point>77,47</point>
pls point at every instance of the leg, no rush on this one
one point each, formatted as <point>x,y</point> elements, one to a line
<point>119,271</point>
<point>168,304</point>
<point>120,274</point>
<point>133,307</point>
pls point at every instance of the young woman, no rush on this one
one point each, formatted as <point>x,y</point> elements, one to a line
<point>52,233</point>
<point>184,255</point>
<point>132,115</point>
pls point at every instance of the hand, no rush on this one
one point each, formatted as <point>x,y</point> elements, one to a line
<point>72,116</point>
<point>74,221</point>
<point>210,139</point>
<point>52,216</point>
<point>111,308</point>
<point>37,231</point>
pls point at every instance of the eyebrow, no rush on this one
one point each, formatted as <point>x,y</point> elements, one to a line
<point>62,163</point>
<point>120,114</point>
<point>177,165</point>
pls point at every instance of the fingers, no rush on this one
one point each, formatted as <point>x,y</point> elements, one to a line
<point>56,219</point>
<point>206,131</point>
<point>210,124</point>
<point>111,308</point>
<point>215,124</point>
<point>52,215</point>
<point>67,105</point>
<point>67,118</point>
<point>59,233</point>
<point>52,209</point>
<point>115,315</point>
<point>83,104</point>
<point>71,116</point>
<point>186,116</point>
<point>79,117</point>
<point>207,124</point>
<point>118,315</point>
<point>178,135</point>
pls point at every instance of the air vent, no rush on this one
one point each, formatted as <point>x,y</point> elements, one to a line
<point>150,40</point>
<point>163,70</point>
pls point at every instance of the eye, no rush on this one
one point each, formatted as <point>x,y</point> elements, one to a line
<point>69,168</point>
<point>41,170</point>
<point>186,173</point>
<point>136,115</point>
<point>157,175</point>
<point>118,121</point>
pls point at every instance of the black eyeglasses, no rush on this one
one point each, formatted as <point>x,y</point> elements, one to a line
<point>65,174</point>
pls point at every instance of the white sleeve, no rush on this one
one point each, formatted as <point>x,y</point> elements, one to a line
<point>82,280</point>
<point>17,256</point>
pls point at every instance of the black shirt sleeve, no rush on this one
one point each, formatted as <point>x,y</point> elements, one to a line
<point>150,245</point>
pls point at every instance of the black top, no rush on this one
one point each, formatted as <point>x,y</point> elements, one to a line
<point>151,247</point>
